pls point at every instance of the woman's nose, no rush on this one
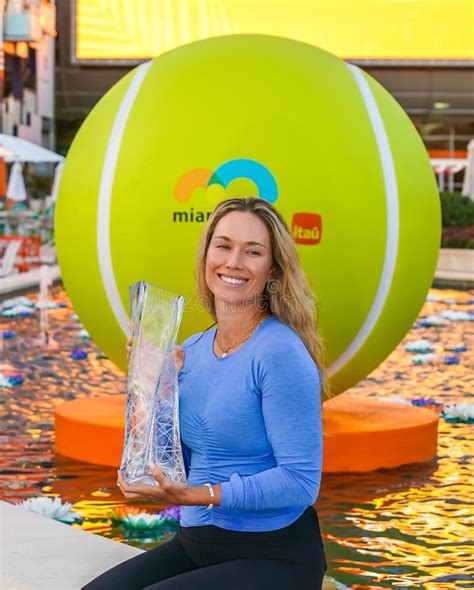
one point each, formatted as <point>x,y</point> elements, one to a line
<point>234,259</point>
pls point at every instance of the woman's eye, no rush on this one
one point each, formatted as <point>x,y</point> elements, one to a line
<point>227,247</point>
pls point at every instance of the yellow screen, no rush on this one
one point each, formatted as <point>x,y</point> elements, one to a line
<point>352,29</point>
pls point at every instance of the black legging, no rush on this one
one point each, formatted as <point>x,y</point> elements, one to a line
<point>219,559</point>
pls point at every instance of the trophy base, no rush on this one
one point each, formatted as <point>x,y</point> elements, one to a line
<point>360,434</point>
<point>144,480</point>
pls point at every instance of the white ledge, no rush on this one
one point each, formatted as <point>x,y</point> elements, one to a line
<point>455,265</point>
<point>39,553</point>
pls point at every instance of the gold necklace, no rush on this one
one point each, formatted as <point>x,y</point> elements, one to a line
<point>247,334</point>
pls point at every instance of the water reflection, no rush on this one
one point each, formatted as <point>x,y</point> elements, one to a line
<point>409,527</point>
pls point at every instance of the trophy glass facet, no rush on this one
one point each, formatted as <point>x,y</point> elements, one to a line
<point>152,423</point>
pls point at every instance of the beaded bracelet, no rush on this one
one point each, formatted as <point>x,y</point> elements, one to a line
<point>211,491</point>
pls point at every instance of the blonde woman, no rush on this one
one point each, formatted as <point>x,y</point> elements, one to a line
<point>250,422</point>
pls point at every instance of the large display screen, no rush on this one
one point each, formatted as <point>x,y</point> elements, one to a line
<point>132,30</point>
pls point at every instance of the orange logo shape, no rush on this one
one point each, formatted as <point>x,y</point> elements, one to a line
<point>189,181</point>
<point>306,228</point>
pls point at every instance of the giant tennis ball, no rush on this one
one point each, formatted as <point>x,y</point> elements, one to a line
<point>252,115</point>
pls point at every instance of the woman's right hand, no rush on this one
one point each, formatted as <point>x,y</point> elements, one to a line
<point>178,352</point>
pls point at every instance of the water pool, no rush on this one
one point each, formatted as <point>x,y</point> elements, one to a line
<point>409,527</point>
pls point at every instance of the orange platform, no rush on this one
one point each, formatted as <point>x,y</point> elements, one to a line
<point>91,429</point>
<point>360,434</point>
<point>363,434</point>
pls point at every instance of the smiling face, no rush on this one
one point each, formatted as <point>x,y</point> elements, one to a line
<point>239,259</point>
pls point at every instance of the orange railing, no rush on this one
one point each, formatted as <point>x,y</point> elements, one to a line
<point>29,253</point>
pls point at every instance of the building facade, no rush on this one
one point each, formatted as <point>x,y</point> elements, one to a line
<point>28,60</point>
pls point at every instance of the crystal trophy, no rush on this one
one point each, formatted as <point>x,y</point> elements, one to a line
<point>152,422</point>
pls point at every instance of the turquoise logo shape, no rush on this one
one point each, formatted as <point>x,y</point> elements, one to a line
<point>251,169</point>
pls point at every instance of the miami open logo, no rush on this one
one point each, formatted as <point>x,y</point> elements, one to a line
<point>305,227</point>
<point>221,177</point>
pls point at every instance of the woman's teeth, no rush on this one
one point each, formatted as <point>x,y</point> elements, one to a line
<point>233,281</point>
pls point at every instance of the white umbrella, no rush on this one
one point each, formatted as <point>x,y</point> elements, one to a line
<point>57,177</point>
<point>21,150</point>
<point>16,190</point>
<point>468,184</point>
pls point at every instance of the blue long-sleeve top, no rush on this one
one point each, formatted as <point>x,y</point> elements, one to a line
<point>252,422</point>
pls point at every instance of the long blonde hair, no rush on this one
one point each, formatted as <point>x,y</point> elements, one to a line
<point>287,295</point>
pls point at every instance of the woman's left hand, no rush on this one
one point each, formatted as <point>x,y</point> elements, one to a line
<point>167,490</point>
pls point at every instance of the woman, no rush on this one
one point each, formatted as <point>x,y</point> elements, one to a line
<point>250,422</point>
